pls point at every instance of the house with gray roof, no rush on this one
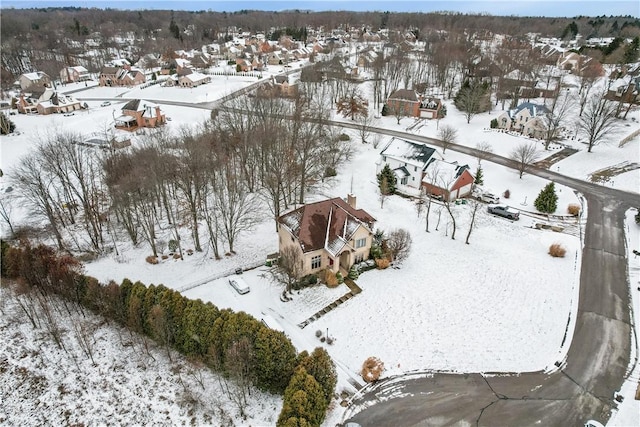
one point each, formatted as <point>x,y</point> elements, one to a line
<point>527,118</point>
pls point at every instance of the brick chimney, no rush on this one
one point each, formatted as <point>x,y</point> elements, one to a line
<point>351,200</point>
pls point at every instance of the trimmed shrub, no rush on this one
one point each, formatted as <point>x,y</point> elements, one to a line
<point>506,194</point>
<point>152,259</point>
<point>494,123</point>
<point>339,277</point>
<point>573,209</point>
<point>318,333</point>
<point>176,256</point>
<point>382,263</point>
<point>344,137</point>
<point>557,251</point>
<point>330,279</point>
<point>353,273</point>
<point>372,368</point>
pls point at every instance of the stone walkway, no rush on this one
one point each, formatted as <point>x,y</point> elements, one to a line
<point>354,290</point>
<point>555,158</point>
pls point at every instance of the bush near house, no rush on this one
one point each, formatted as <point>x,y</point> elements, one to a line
<point>372,368</point>
<point>573,209</point>
<point>557,251</point>
<point>494,123</point>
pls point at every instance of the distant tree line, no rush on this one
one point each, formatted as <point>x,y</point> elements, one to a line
<point>236,345</point>
<point>47,39</point>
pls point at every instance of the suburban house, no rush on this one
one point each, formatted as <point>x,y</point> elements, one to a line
<point>74,74</point>
<point>121,76</point>
<point>36,79</point>
<point>330,234</point>
<point>51,102</point>
<point>193,80</point>
<point>447,180</point>
<point>138,114</point>
<point>527,119</point>
<point>404,101</point>
<point>409,161</point>
<point>414,105</point>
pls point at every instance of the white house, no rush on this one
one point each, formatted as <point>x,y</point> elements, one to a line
<point>409,161</point>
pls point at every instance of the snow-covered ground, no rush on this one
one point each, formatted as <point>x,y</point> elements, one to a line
<point>500,303</point>
<point>45,385</point>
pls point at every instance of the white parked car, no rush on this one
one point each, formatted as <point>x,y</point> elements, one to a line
<point>593,423</point>
<point>239,285</point>
<point>105,104</point>
<point>489,198</point>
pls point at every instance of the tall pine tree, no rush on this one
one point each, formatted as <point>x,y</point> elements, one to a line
<point>547,200</point>
<point>387,177</point>
<point>479,178</point>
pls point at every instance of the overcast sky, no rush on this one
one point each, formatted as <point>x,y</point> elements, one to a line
<point>559,8</point>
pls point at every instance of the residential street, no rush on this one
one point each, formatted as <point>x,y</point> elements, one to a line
<point>585,385</point>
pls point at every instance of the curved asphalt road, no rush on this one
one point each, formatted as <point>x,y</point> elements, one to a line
<point>596,364</point>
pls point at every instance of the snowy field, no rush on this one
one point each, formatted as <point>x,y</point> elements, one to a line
<point>45,385</point>
<point>500,303</point>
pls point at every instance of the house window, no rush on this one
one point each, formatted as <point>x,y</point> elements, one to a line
<point>403,181</point>
<point>361,243</point>
<point>359,258</point>
<point>316,261</point>
<point>415,169</point>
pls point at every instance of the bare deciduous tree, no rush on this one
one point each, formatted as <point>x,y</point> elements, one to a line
<point>598,120</point>
<point>554,121</point>
<point>524,155</point>
<point>447,135</point>
<point>289,267</point>
<point>399,245</point>
<point>484,151</point>
<point>472,222</point>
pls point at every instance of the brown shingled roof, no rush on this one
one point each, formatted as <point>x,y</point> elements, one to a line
<point>310,223</point>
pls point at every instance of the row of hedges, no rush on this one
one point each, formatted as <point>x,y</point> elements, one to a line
<point>194,328</point>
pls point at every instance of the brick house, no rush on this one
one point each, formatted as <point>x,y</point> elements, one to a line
<point>330,234</point>
<point>138,113</point>
<point>74,74</point>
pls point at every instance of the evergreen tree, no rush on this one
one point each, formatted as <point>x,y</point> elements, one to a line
<point>385,110</point>
<point>320,365</point>
<point>479,178</point>
<point>303,400</point>
<point>6,125</point>
<point>387,180</point>
<point>547,200</point>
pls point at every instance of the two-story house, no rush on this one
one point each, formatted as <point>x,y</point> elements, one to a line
<point>409,161</point>
<point>35,80</point>
<point>138,113</point>
<point>74,74</point>
<point>527,119</point>
<point>331,234</point>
